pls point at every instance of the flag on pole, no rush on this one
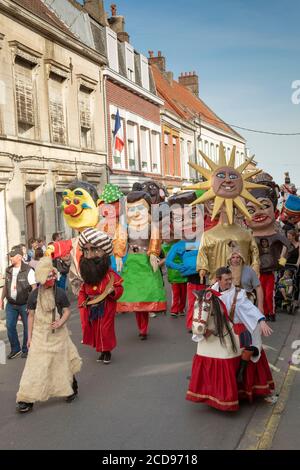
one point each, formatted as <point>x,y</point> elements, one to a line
<point>118,135</point>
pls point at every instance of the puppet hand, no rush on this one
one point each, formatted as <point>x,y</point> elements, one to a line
<point>119,263</point>
<point>154,261</point>
<point>282,261</point>
<point>202,274</point>
<point>50,250</point>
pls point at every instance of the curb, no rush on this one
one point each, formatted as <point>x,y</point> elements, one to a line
<point>263,425</point>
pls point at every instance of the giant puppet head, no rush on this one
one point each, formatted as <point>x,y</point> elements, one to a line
<point>263,217</point>
<point>291,210</point>
<point>138,210</point>
<point>226,184</point>
<point>157,191</point>
<point>110,208</point>
<point>96,247</point>
<point>79,205</point>
<point>186,221</point>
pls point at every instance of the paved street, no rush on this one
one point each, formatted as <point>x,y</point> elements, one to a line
<point>138,401</point>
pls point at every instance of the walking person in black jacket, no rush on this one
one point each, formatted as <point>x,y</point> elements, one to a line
<point>19,282</point>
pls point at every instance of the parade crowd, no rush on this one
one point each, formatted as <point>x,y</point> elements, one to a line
<point>229,247</point>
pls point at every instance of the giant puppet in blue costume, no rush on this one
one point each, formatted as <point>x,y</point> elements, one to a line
<point>187,225</point>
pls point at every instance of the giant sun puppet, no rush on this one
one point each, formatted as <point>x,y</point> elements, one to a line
<point>227,185</point>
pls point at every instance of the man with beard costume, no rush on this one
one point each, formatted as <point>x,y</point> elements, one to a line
<point>272,245</point>
<point>99,293</point>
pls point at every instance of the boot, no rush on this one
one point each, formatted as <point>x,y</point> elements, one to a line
<point>241,370</point>
<point>246,355</point>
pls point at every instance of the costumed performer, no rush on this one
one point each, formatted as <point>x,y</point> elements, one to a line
<point>98,295</point>
<point>227,185</point>
<point>249,324</point>
<point>187,224</point>
<point>53,359</point>
<point>290,214</point>
<point>271,244</point>
<point>245,277</point>
<point>143,284</point>
<point>217,363</point>
<point>110,204</point>
<point>79,205</point>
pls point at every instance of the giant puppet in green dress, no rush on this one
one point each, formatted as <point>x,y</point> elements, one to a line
<point>144,290</point>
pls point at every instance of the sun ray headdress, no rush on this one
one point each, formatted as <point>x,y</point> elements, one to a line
<point>230,201</point>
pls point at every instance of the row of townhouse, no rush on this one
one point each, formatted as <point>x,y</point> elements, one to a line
<point>66,70</point>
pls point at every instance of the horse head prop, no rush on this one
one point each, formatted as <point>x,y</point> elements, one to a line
<point>211,317</point>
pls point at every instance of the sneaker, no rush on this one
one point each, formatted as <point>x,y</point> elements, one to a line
<point>181,314</point>
<point>107,357</point>
<point>272,399</point>
<point>174,315</point>
<point>24,355</point>
<point>24,407</point>
<point>101,357</point>
<point>13,354</point>
<point>152,315</point>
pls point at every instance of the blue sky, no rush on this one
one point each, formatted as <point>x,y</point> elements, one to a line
<point>246,53</point>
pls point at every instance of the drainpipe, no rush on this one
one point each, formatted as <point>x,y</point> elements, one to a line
<point>103,81</point>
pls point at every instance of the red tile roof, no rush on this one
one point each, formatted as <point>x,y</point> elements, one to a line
<point>185,104</point>
<point>38,8</point>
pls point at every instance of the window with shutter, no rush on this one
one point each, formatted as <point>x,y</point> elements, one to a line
<point>131,132</point>
<point>56,109</point>
<point>24,93</point>
<point>85,117</point>
<point>155,152</point>
<point>145,149</point>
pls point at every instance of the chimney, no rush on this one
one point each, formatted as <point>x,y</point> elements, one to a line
<point>190,81</point>
<point>95,9</point>
<point>169,76</point>
<point>117,24</point>
<point>160,61</point>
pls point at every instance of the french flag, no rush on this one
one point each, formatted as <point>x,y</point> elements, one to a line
<point>118,134</point>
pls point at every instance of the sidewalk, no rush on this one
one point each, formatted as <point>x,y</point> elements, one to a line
<point>277,427</point>
<point>287,436</point>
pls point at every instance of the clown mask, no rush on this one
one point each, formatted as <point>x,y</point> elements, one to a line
<point>79,209</point>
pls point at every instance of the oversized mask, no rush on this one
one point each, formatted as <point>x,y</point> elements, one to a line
<point>226,184</point>
<point>79,205</point>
